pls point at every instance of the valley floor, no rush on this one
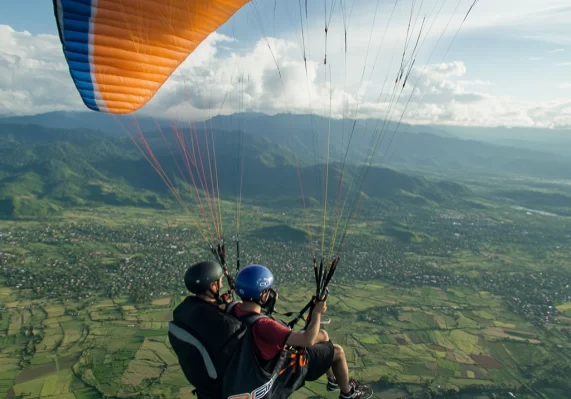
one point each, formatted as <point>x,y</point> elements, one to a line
<point>419,309</point>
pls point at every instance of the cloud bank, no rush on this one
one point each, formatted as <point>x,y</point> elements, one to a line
<point>222,77</point>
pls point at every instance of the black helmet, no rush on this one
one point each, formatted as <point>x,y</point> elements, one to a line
<point>199,276</point>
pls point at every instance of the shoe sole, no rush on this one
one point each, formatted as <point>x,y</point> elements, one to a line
<point>367,393</point>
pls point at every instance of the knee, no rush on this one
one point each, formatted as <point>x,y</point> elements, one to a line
<point>339,353</point>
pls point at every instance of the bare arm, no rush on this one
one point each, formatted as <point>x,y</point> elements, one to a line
<point>312,334</point>
<point>307,337</point>
<point>322,336</point>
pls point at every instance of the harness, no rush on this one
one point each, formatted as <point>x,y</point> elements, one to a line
<point>185,336</point>
<point>230,369</point>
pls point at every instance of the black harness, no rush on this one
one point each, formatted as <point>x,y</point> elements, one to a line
<point>212,344</point>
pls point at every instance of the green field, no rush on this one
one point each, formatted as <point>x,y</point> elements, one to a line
<point>108,347</point>
<point>405,336</point>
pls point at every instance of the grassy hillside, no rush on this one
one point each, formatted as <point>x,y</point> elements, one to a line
<point>555,202</point>
<point>45,170</point>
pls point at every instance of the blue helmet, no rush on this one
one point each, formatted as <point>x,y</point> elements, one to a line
<point>252,280</point>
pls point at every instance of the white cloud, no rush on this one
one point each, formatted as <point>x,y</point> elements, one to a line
<point>475,82</point>
<point>544,14</point>
<point>564,85</point>
<point>497,111</point>
<point>446,100</point>
<point>34,76</point>
<point>557,50</point>
<point>544,21</point>
<point>534,58</point>
<point>225,76</point>
<point>563,64</point>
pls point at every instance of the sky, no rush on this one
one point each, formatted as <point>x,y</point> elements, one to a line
<point>508,65</point>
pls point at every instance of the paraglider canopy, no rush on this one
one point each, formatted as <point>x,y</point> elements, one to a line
<point>121,52</point>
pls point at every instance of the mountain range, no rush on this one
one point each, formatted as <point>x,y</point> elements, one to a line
<point>51,161</point>
<point>43,170</point>
<point>416,149</point>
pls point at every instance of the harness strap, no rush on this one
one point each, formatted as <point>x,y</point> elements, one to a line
<point>231,306</point>
<point>187,337</point>
<point>252,318</point>
<point>248,319</point>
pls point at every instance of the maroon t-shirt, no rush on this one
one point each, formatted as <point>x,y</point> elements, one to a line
<point>269,335</point>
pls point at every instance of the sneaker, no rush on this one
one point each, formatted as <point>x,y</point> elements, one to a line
<point>333,386</point>
<point>358,391</point>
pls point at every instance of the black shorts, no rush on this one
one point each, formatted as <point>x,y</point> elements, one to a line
<point>319,360</point>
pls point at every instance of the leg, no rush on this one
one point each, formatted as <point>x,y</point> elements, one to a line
<point>339,369</point>
<point>331,381</point>
<point>320,359</point>
<point>328,358</point>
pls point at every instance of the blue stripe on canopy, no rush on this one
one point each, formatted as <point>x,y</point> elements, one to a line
<point>73,18</point>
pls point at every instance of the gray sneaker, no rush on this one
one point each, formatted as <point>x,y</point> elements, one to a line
<point>333,386</point>
<point>358,391</point>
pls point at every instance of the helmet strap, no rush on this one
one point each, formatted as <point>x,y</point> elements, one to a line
<point>270,303</point>
<point>258,301</point>
<point>215,294</point>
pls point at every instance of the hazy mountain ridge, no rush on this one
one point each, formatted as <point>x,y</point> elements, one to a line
<point>43,170</point>
<point>557,141</point>
<point>547,201</point>
<point>421,149</point>
<point>459,156</point>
